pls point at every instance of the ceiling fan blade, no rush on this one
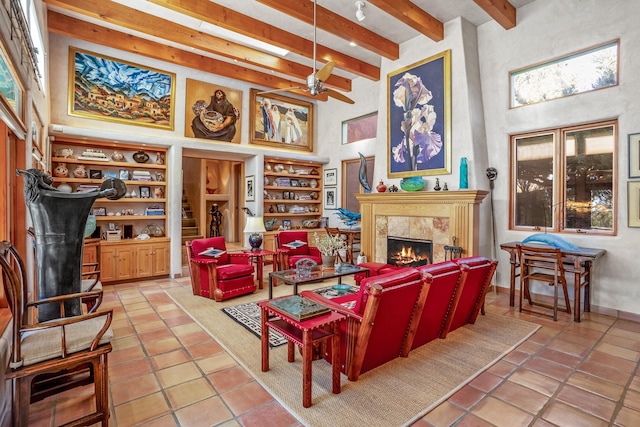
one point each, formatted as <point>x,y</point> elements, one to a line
<point>288,89</point>
<point>337,95</point>
<point>324,72</point>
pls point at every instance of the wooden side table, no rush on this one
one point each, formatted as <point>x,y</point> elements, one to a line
<point>304,334</point>
<point>258,257</point>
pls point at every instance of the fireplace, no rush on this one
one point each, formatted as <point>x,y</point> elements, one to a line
<point>408,252</point>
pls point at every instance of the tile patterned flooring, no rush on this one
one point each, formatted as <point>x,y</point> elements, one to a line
<point>166,371</point>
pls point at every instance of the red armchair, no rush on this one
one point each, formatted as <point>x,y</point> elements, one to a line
<point>379,326</point>
<point>479,272</point>
<point>288,256</point>
<point>443,281</point>
<point>220,278</point>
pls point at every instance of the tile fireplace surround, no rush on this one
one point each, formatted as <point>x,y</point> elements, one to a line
<point>438,216</point>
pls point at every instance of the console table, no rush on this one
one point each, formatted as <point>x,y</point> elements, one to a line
<point>578,263</point>
<point>303,333</point>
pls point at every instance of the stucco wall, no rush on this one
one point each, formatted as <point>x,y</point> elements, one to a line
<point>548,29</point>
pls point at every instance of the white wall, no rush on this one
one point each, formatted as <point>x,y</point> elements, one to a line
<point>548,29</point>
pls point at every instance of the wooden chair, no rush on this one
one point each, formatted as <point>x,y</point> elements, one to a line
<point>57,355</point>
<point>543,264</point>
<point>220,278</point>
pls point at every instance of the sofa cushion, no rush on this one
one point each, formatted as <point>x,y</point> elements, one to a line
<point>200,245</point>
<point>232,271</point>
<point>291,236</point>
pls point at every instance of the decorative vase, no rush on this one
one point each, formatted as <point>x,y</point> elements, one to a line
<point>415,183</point>
<point>464,174</point>
<point>141,157</point>
<point>159,158</point>
<point>65,188</point>
<point>328,261</point>
<point>381,187</point>
<point>313,183</point>
<point>61,171</point>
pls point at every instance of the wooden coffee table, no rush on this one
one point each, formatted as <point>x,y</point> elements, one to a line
<point>305,334</point>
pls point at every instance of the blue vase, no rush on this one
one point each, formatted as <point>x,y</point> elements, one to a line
<point>464,174</point>
<point>415,183</point>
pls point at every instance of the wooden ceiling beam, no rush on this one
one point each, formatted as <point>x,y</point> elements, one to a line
<point>132,19</point>
<point>337,25</point>
<point>76,28</point>
<point>500,10</point>
<point>413,16</point>
<point>234,21</point>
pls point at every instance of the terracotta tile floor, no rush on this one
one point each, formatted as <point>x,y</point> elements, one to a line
<point>166,371</point>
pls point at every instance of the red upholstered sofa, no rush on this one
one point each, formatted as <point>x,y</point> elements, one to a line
<point>220,278</point>
<point>377,326</point>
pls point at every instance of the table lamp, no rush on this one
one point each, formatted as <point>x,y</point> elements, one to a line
<point>255,226</point>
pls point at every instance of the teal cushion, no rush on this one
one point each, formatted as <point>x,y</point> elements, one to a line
<point>552,240</point>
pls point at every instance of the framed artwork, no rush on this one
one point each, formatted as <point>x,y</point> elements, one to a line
<point>249,188</point>
<point>329,198</point>
<point>330,177</point>
<point>634,155</point>
<point>633,201</point>
<point>212,112</point>
<point>124,174</point>
<point>419,118</point>
<point>279,121</point>
<point>104,88</point>
<point>95,174</point>
<point>99,211</point>
<point>145,192</point>
<point>11,90</point>
<point>37,130</point>
<point>360,129</point>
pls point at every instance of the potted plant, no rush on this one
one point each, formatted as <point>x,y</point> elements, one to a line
<point>329,246</point>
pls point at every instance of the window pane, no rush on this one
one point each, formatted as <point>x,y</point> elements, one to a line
<point>589,183</point>
<point>534,181</point>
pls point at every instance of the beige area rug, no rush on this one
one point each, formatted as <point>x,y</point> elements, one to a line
<point>395,394</point>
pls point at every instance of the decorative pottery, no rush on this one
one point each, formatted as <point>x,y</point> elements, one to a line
<point>310,223</point>
<point>328,261</point>
<point>159,158</point>
<point>65,188</point>
<point>117,156</point>
<point>464,174</point>
<point>313,183</point>
<point>61,171</point>
<point>80,171</point>
<point>393,189</point>
<point>291,169</point>
<point>415,183</point>
<point>381,188</point>
<point>266,180</point>
<point>141,157</point>
<point>158,192</point>
<point>133,193</point>
<point>65,152</point>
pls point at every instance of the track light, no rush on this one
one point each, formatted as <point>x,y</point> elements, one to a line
<point>360,13</point>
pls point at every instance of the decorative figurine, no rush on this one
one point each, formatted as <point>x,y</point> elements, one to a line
<point>158,192</point>
<point>216,221</point>
<point>393,189</point>
<point>61,171</point>
<point>80,171</point>
<point>445,188</point>
<point>159,158</point>
<point>437,186</point>
<point>141,157</point>
<point>117,156</point>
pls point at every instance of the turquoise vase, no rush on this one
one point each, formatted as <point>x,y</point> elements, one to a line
<point>464,174</point>
<point>415,183</point>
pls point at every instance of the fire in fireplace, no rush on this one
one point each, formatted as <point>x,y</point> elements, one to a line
<point>407,252</point>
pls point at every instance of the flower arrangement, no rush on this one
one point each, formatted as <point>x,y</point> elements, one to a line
<point>329,245</point>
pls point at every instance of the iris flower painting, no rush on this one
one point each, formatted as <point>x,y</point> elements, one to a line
<point>420,118</point>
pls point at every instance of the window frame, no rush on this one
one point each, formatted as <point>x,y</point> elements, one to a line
<point>559,186</point>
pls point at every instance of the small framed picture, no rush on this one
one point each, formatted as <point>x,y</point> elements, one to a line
<point>331,176</point>
<point>110,175</point>
<point>145,192</point>
<point>249,188</point>
<point>286,224</point>
<point>329,198</point>
<point>99,211</point>
<point>295,183</point>
<point>124,174</point>
<point>95,174</point>
<point>281,208</point>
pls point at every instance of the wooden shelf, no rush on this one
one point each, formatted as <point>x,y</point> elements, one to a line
<point>131,200</point>
<point>217,197</point>
<point>289,215</point>
<point>99,181</point>
<point>108,163</point>
<point>292,202</point>
<point>112,218</point>
<point>279,187</point>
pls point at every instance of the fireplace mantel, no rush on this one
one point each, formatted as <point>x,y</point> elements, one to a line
<point>435,215</point>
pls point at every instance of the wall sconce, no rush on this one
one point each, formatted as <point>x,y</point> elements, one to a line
<point>360,13</point>
<point>255,226</point>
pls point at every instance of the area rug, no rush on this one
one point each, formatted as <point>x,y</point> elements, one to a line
<point>395,394</point>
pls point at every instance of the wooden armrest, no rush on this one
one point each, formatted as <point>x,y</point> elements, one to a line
<point>64,321</point>
<point>62,298</point>
<point>202,261</point>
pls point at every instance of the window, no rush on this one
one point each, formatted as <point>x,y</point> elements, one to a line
<point>564,179</point>
<point>588,70</point>
<point>34,46</point>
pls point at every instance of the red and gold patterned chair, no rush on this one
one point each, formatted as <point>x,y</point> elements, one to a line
<point>288,257</point>
<point>226,276</point>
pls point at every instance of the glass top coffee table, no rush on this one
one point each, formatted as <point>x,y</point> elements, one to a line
<point>317,274</point>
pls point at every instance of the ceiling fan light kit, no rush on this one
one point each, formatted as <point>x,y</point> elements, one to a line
<point>359,12</point>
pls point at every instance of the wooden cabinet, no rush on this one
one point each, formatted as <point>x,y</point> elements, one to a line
<point>82,166</point>
<point>293,194</point>
<point>136,259</point>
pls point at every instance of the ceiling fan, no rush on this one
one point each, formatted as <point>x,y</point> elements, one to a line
<point>315,80</point>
